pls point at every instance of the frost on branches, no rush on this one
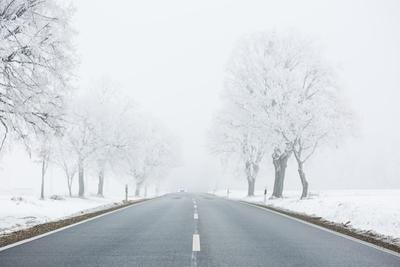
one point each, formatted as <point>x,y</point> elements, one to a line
<point>235,137</point>
<point>288,92</point>
<point>35,66</point>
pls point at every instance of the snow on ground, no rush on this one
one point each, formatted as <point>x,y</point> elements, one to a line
<point>23,211</point>
<point>376,210</point>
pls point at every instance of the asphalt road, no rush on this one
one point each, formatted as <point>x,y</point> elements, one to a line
<point>185,229</point>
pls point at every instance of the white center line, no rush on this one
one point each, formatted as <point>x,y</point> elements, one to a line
<point>196,236</point>
<point>196,243</point>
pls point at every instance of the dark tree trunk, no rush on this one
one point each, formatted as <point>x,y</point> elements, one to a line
<point>283,164</point>
<point>250,189</point>
<point>275,160</point>
<point>43,174</point>
<point>81,192</point>
<point>251,172</point>
<point>303,180</point>
<point>100,184</point>
<point>280,164</point>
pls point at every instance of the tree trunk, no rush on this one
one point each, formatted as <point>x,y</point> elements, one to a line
<point>251,172</point>
<point>69,181</point>
<point>251,184</point>
<point>303,180</point>
<point>101,183</point>
<point>137,189</point>
<point>145,190</point>
<point>281,179</point>
<point>70,177</point>
<point>81,192</point>
<point>280,164</point>
<point>43,174</point>
<point>275,192</point>
<point>283,159</point>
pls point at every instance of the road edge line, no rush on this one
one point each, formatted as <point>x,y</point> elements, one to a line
<point>142,201</point>
<point>255,205</point>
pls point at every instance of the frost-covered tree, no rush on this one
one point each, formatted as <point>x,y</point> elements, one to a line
<point>35,66</point>
<point>65,157</point>
<point>291,91</point>
<point>44,151</point>
<point>93,135</point>
<point>316,116</point>
<point>162,153</point>
<point>150,152</point>
<point>83,141</point>
<point>102,129</point>
<point>251,78</point>
<point>111,113</point>
<point>234,135</point>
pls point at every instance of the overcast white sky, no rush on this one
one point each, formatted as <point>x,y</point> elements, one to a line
<point>170,57</point>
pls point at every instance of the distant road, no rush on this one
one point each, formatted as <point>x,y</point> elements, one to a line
<point>186,229</point>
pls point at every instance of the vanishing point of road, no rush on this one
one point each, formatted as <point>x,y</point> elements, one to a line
<point>185,229</point>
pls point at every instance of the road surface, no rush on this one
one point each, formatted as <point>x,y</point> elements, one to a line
<point>186,229</point>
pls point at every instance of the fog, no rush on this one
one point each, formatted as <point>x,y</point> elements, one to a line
<point>170,57</point>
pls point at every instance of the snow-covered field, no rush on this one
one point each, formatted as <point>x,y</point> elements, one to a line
<point>22,211</point>
<point>376,210</point>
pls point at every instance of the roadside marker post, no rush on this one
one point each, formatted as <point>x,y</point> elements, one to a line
<point>126,193</point>
<point>265,196</point>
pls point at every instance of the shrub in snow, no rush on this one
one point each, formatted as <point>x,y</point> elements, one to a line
<point>57,197</point>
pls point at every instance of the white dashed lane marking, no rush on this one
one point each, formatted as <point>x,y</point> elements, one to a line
<point>196,243</point>
<point>196,236</point>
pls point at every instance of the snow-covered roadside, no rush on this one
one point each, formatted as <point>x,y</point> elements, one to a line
<point>375,210</point>
<point>20,212</point>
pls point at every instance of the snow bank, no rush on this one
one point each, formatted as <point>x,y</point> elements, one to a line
<point>376,210</point>
<point>22,211</point>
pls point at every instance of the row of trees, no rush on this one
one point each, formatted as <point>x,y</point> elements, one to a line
<point>281,98</point>
<point>105,133</point>
<point>97,129</point>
